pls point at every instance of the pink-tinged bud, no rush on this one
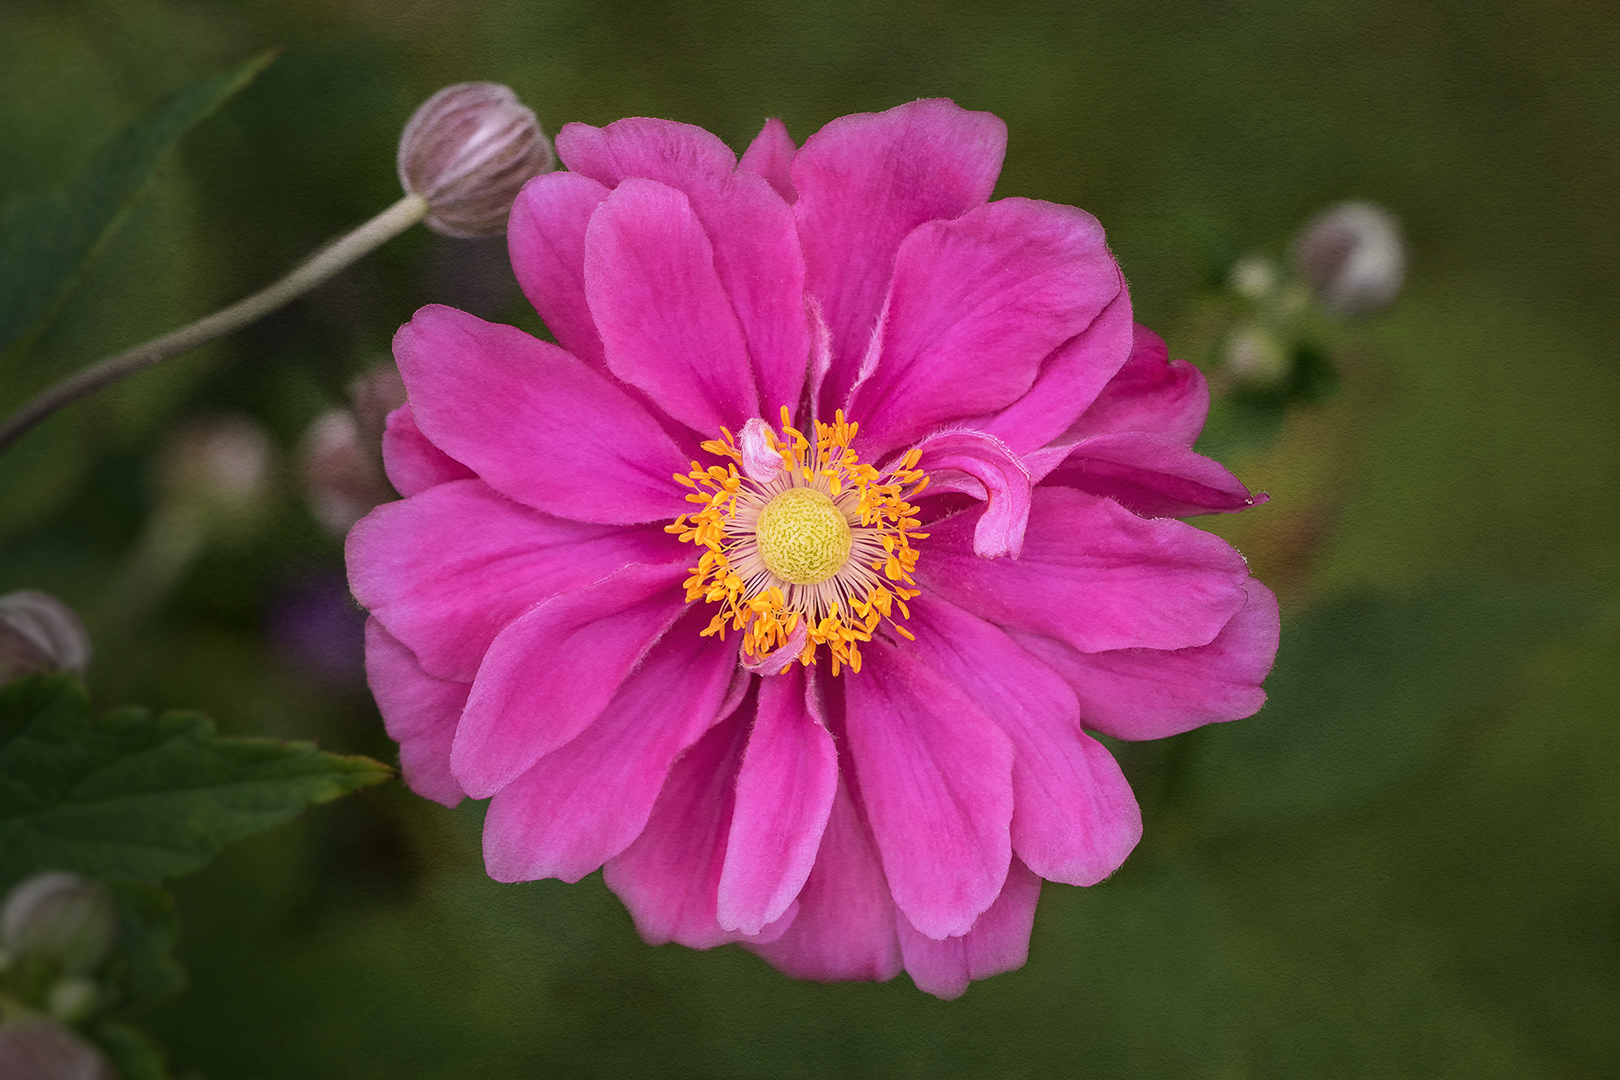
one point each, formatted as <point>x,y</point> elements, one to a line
<point>468,151</point>
<point>1353,257</point>
<point>223,465</point>
<point>35,1049</point>
<point>61,918</point>
<point>39,633</point>
<point>342,451</point>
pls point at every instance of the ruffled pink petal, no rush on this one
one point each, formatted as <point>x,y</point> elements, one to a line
<point>770,155</point>
<point>784,793</point>
<point>413,464</point>
<point>546,236</point>
<point>667,324</point>
<point>670,876</point>
<point>935,778</point>
<point>985,468</point>
<point>1069,382</point>
<point>1093,575</point>
<point>535,423</point>
<point>864,182</point>
<point>680,155</point>
<point>1074,817</point>
<point>448,569</point>
<point>1151,393</point>
<point>584,803</point>
<point>974,307</point>
<point>1149,694</point>
<point>845,927</point>
<point>553,670</point>
<point>419,712</point>
<point>998,942</point>
<point>1152,476</point>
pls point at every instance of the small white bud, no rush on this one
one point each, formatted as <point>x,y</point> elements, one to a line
<point>39,633</point>
<point>468,151</point>
<point>1252,277</point>
<point>59,917</point>
<point>1255,357</point>
<point>36,1049</point>
<point>222,464</point>
<point>1353,257</point>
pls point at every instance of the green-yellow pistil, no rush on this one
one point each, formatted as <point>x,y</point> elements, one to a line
<point>802,536</point>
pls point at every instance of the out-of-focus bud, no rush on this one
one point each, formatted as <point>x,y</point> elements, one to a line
<point>221,465</point>
<point>468,151</point>
<point>73,1000</point>
<point>1254,357</point>
<point>59,917</point>
<point>36,1049</point>
<point>1252,277</point>
<point>39,633</point>
<point>1353,257</point>
<point>342,451</point>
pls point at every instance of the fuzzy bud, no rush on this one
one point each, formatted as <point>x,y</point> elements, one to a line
<point>1353,257</point>
<point>59,917</point>
<point>468,151</point>
<point>39,633</point>
<point>36,1049</point>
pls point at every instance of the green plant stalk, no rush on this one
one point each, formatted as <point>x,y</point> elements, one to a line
<point>321,266</point>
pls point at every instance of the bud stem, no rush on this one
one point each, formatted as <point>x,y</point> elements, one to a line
<point>320,266</point>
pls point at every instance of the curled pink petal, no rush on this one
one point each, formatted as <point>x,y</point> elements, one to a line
<point>413,464</point>
<point>1150,393</point>
<point>770,155</point>
<point>984,467</point>
<point>1152,476</point>
<point>546,235</point>
<point>419,712</point>
<point>998,942</point>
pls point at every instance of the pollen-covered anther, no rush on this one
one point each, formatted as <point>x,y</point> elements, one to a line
<point>816,552</point>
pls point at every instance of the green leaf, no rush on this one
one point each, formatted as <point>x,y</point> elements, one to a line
<point>1363,692</point>
<point>143,970</point>
<point>132,1054</point>
<point>48,239</point>
<point>134,797</point>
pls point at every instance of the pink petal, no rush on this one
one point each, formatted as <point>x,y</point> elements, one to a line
<point>984,467</point>
<point>553,670</point>
<point>998,942</point>
<point>1093,575</point>
<point>1074,817</point>
<point>784,793</point>
<point>1152,476</point>
<point>670,876</point>
<point>1070,380</point>
<point>770,155</point>
<point>1151,694</point>
<point>1151,393</point>
<point>845,928</point>
<point>864,182</point>
<point>413,464</point>
<point>448,569</point>
<point>667,324</point>
<point>974,307</point>
<point>535,423</point>
<point>680,155</point>
<point>546,235</point>
<point>748,224</point>
<point>419,712</point>
<point>935,778</point>
<point>584,803</point>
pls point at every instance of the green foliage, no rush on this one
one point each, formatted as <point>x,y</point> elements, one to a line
<point>131,1053</point>
<point>48,239</point>
<point>130,796</point>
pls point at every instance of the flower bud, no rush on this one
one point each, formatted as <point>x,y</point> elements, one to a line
<point>1353,257</point>
<point>222,465</point>
<point>468,151</point>
<point>59,917</point>
<point>1255,357</point>
<point>39,633</point>
<point>36,1049</point>
<point>73,1000</point>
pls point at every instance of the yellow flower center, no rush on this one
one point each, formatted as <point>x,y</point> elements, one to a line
<point>803,538</point>
<point>816,553</point>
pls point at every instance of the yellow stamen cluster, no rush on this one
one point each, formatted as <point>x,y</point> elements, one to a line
<point>824,544</point>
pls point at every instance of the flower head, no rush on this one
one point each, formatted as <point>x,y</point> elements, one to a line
<point>788,585</point>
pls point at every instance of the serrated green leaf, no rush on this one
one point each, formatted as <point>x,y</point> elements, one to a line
<point>1363,691</point>
<point>48,239</point>
<point>129,796</point>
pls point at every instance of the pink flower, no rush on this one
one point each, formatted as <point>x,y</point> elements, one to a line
<point>818,689</point>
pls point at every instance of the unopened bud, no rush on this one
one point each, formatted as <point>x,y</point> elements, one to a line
<point>341,480</point>
<point>72,1000</point>
<point>221,464</point>
<point>61,918</point>
<point>468,151</point>
<point>1252,277</point>
<point>1353,257</point>
<point>39,633</point>
<point>1255,357</point>
<point>37,1049</point>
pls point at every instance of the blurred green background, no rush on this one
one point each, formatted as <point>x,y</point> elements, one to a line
<point>1407,865</point>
